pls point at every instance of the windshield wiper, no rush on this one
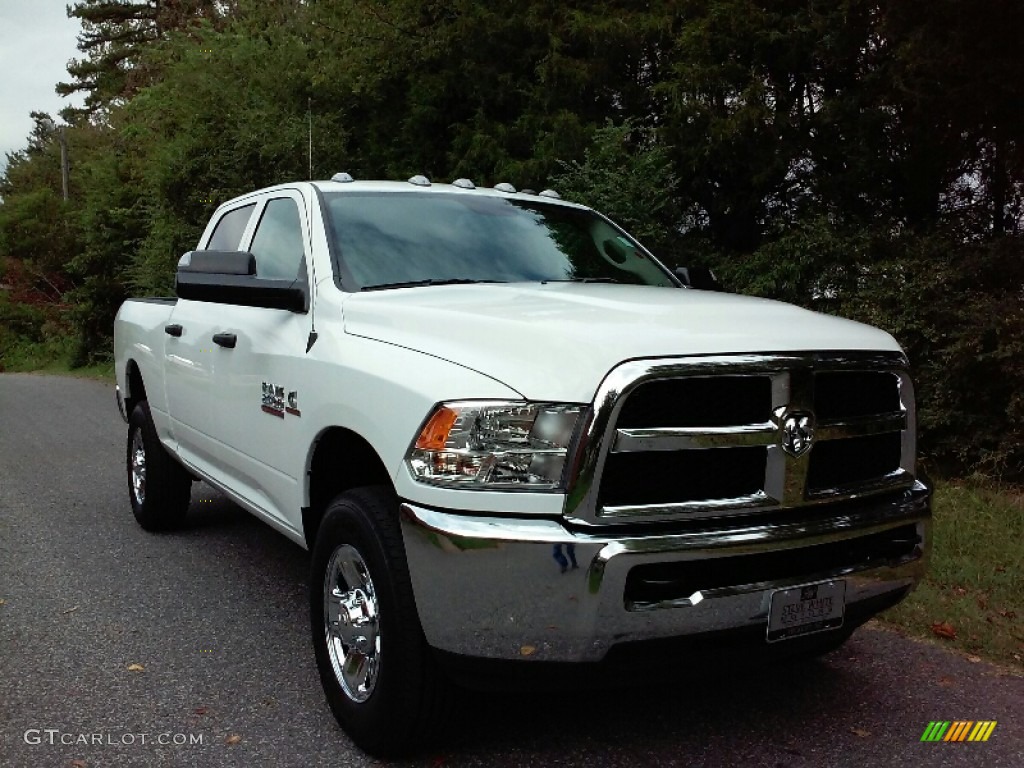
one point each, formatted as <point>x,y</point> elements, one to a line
<point>583,280</point>
<point>430,281</point>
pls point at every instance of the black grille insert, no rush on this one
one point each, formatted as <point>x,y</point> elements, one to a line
<point>659,582</point>
<point>698,401</point>
<point>850,394</point>
<point>841,463</point>
<point>663,477</point>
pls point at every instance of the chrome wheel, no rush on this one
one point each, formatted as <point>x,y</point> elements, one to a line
<point>351,623</point>
<point>138,455</point>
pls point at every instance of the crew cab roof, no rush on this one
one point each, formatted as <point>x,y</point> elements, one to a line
<point>377,187</point>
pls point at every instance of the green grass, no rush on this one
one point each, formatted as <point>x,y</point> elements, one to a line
<point>975,580</point>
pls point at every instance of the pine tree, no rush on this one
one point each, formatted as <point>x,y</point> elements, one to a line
<point>115,36</point>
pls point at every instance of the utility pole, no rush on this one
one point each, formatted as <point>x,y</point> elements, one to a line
<point>63,159</point>
<point>58,130</point>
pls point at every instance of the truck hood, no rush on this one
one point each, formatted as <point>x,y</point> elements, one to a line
<point>556,341</point>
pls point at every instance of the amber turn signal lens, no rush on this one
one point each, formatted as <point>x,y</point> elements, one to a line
<point>435,432</point>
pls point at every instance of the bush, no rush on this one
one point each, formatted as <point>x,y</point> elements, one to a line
<point>958,310</point>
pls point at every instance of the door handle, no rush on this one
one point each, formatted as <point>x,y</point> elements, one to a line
<point>173,330</point>
<point>225,339</point>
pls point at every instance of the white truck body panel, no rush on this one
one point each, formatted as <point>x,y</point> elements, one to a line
<point>556,342</point>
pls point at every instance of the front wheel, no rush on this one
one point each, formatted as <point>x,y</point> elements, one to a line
<point>159,488</point>
<point>374,662</point>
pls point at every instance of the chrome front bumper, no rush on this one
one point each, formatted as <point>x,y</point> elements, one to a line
<point>492,587</point>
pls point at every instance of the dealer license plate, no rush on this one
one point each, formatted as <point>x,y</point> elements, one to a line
<point>802,610</point>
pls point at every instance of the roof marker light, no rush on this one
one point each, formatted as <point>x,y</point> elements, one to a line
<point>551,193</point>
<point>464,184</point>
<point>528,192</point>
<point>342,177</point>
<point>505,187</point>
<point>420,181</point>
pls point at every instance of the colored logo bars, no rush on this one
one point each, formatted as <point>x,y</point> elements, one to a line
<point>958,730</point>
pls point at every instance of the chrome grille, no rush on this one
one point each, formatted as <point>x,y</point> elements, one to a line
<point>719,436</point>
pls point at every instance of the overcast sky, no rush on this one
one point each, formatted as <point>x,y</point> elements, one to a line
<point>36,40</point>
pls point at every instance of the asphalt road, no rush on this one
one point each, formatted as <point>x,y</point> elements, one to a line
<point>215,615</point>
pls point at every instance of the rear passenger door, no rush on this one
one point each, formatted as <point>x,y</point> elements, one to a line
<point>258,384</point>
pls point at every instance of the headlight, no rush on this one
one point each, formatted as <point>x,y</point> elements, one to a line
<point>494,445</point>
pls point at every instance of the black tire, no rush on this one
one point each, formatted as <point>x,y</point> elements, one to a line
<point>161,501</point>
<point>395,699</point>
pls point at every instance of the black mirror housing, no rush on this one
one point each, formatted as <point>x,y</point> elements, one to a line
<point>229,277</point>
<point>218,262</point>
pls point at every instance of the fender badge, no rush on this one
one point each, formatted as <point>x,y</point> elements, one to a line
<point>273,400</point>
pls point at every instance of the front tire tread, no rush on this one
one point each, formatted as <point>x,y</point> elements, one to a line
<point>410,701</point>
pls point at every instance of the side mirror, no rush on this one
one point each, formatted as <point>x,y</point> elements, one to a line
<point>701,278</point>
<point>229,277</point>
<point>218,262</point>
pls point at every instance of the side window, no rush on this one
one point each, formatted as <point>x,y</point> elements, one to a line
<point>277,244</point>
<point>228,233</point>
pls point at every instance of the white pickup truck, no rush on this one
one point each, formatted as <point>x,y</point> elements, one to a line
<point>508,433</point>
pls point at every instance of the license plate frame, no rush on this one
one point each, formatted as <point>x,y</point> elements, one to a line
<point>806,609</point>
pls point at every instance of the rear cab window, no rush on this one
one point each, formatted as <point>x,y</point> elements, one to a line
<point>227,234</point>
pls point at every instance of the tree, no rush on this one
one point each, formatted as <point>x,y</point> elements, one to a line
<point>115,36</point>
<point>626,174</point>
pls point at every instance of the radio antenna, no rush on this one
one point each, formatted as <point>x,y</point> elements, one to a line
<point>309,113</point>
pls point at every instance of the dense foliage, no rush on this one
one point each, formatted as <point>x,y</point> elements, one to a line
<point>858,157</point>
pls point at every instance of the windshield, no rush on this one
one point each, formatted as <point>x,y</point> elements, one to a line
<point>397,239</point>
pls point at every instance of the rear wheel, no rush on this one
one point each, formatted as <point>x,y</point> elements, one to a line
<point>376,668</point>
<point>159,488</point>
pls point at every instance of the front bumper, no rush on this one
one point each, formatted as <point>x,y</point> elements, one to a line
<point>494,587</point>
